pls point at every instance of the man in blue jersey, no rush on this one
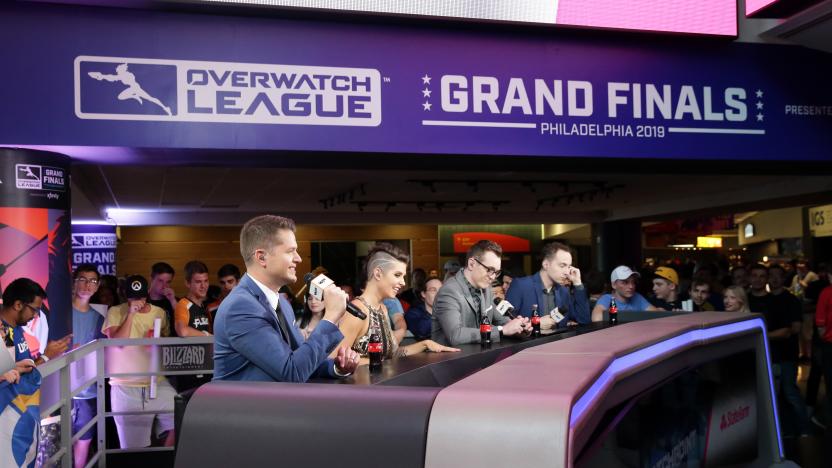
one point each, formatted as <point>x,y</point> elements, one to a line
<point>19,413</point>
<point>22,301</point>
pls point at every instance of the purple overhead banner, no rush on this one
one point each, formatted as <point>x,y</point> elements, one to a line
<point>125,78</point>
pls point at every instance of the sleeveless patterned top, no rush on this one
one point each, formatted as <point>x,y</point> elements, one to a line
<point>378,318</point>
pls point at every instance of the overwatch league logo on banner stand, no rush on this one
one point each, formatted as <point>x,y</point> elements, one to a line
<point>28,176</point>
<point>37,177</point>
<point>33,179</point>
<point>96,244</point>
<point>122,88</point>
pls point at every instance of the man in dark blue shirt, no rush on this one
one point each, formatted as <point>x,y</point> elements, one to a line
<point>420,316</point>
<point>556,289</point>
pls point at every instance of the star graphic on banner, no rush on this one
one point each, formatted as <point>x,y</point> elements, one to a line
<point>759,105</point>
<point>759,117</point>
<point>759,94</point>
<point>426,80</point>
<point>426,106</point>
<point>426,92</point>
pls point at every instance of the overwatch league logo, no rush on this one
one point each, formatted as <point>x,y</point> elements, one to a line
<point>94,241</point>
<point>28,177</point>
<point>36,177</point>
<point>133,89</point>
<point>123,88</point>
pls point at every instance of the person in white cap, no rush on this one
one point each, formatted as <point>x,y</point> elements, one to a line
<point>623,281</point>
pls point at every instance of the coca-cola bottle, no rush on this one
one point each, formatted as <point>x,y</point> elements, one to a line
<point>375,350</point>
<point>535,321</point>
<point>613,311</point>
<point>485,331</point>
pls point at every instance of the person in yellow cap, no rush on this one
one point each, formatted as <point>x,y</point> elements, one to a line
<point>666,289</point>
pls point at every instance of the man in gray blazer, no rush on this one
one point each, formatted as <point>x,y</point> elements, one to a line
<point>466,297</point>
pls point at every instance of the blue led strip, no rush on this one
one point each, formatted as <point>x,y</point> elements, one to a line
<point>636,358</point>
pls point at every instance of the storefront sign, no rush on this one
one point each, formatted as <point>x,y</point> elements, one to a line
<point>464,240</point>
<point>820,221</point>
<point>708,242</point>
<point>513,238</point>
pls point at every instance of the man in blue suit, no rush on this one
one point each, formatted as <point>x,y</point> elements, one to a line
<point>556,289</point>
<point>255,338</point>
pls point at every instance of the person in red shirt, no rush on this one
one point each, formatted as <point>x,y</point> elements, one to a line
<point>823,320</point>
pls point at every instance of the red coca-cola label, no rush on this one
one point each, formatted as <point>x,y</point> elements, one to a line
<point>375,348</point>
<point>535,320</point>
<point>613,310</point>
<point>485,328</point>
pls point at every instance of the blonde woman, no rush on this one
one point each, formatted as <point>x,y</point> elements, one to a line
<point>386,268</point>
<point>736,300</point>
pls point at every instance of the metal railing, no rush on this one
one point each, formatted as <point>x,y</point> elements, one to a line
<point>66,376</point>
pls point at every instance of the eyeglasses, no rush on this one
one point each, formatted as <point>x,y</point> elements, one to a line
<point>36,311</point>
<point>490,271</point>
<point>82,281</point>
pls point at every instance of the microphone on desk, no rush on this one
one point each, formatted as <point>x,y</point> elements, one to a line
<point>504,307</point>
<point>321,282</point>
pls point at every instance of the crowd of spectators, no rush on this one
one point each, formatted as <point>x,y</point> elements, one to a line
<point>425,311</point>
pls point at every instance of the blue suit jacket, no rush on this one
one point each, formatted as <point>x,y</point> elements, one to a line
<point>528,290</point>
<point>248,344</point>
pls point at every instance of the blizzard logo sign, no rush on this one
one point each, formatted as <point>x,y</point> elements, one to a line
<point>122,88</point>
<point>187,357</point>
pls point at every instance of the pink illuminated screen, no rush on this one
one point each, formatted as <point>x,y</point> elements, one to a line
<point>713,17</point>
<point>717,17</point>
<point>753,6</point>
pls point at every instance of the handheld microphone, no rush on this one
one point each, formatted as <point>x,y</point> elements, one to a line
<point>504,308</point>
<point>321,282</point>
